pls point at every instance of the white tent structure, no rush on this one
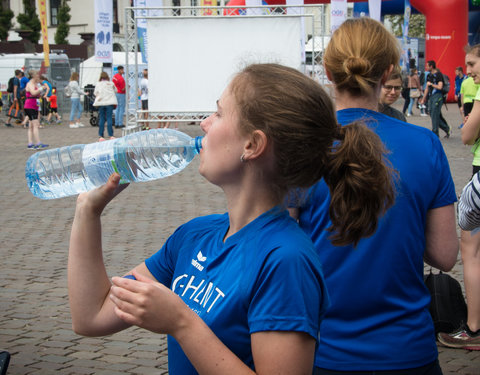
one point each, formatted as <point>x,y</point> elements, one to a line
<point>90,69</point>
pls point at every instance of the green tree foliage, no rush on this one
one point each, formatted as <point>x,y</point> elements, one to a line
<point>416,28</point>
<point>63,27</point>
<point>30,21</point>
<point>6,16</point>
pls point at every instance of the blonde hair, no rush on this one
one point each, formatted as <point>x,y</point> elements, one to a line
<point>104,76</point>
<point>472,50</point>
<point>74,76</point>
<point>359,53</point>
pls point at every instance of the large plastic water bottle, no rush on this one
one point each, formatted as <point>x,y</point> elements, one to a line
<point>142,156</point>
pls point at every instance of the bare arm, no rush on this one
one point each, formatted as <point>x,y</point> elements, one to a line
<point>15,89</point>
<point>441,238</point>
<point>471,128</point>
<point>47,90</point>
<point>88,284</point>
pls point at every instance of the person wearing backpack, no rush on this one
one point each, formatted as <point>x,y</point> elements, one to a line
<point>14,89</point>
<point>434,90</point>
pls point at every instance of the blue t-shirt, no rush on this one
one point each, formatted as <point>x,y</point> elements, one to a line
<point>23,82</point>
<point>265,277</point>
<point>379,318</point>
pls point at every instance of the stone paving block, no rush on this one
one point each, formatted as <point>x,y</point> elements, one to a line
<point>85,354</point>
<point>56,359</point>
<point>78,371</point>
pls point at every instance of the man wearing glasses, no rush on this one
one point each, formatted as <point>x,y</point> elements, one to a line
<point>433,91</point>
<point>390,93</point>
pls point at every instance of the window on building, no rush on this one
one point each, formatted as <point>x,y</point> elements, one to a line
<point>54,7</point>
<point>116,24</point>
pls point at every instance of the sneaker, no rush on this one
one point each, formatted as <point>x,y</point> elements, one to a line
<point>423,114</point>
<point>449,133</point>
<point>101,139</point>
<point>8,124</point>
<point>409,114</point>
<point>59,121</point>
<point>73,126</point>
<point>112,137</point>
<point>464,338</point>
<point>31,146</point>
<point>41,145</point>
<point>79,125</point>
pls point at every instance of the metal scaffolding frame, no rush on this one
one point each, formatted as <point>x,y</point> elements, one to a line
<point>134,116</point>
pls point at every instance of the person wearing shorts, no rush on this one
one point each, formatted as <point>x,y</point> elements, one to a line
<point>34,90</point>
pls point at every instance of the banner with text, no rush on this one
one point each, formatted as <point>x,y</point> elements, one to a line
<point>104,30</point>
<point>338,13</point>
<point>407,54</point>
<point>42,8</point>
<point>141,15</point>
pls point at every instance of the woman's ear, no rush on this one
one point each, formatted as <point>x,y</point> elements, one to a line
<point>386,74</point>
<point>255,146</point>
<point>327,73</point>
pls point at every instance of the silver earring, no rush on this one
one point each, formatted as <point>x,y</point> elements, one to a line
<point>242,158</point>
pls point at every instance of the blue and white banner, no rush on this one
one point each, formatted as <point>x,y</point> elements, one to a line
<point>104,30</point>
<point>142,22</point>
<point>374,9</point>
<point>405,60</point>
<point>338,13</point>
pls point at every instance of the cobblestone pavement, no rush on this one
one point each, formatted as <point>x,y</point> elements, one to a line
<point>34,314</point>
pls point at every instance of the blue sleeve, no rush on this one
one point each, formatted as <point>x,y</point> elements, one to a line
<point>445,192</point>
<point>162,264</point>
<point>289,292</point>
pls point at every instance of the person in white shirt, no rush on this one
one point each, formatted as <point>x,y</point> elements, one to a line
<point>105,100</point>
<point>143,93</point>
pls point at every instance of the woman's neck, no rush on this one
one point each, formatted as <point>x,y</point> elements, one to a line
<point>344,100</point>
<point>245,204</point>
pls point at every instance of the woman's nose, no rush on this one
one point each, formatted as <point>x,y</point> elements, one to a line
<point>205,124</point>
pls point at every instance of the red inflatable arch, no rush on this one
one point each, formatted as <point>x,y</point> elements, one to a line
<point>446,34</point>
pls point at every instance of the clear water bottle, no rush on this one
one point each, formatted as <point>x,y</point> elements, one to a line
<point>142,156</point>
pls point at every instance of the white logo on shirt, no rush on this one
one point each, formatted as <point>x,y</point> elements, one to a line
<point>201,258</point>
<point>201,291</point>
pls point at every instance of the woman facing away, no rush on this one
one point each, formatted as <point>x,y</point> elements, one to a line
<point>379,319</point>
<point>105,100</point>
<point>76,108</point>
<point>415,87</point>
<point>33,92</point>
<point>241,292</point>
<point>468,336</point>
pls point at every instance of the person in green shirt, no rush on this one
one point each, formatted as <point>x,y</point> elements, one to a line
<point>468,90</point>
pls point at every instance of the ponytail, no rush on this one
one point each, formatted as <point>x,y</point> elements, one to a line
<point>361,184</point>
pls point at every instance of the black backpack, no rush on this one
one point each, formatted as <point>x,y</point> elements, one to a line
<point>446,85</point>
<point>10,84</point>
<point>447,307</point>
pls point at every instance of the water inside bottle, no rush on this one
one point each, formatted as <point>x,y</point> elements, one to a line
<point>153,155</point>
<point>57,173</point>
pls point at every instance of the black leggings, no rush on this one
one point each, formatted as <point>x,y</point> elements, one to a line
<point>430,369</point>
